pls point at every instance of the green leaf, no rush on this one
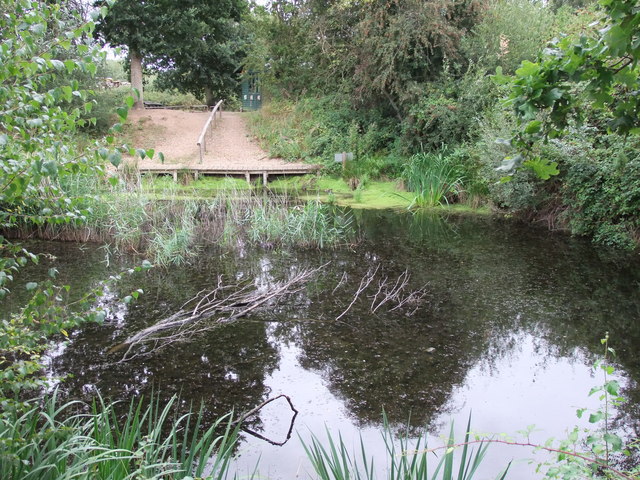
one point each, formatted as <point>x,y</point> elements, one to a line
<point>533,127</point>
<point>612,387</point>
<point>527,69</point>
<point>596,417</point>
<point>130,101</point>
<point>122,112</point>
<point>115,158</point>
<point>614,440</point>
<point>150,152</point>
<point>544,169</point>
<point>31,286</point>
<point>617,39</point>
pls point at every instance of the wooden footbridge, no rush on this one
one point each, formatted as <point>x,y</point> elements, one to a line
<point>223,147</point>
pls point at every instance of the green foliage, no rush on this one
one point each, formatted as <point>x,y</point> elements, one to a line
<point>45,46</point>
<point>596,71</point>
<point>449,111</point>
<point>53,441</point>
<point>601,444</point>
<point>317,128</point>
<point>511,31</point>
<point>603,190</point>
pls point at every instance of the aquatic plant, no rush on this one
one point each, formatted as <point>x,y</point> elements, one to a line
<point>310,225</point>
<point>405,459</point>
<point>434,177</point>
<point>52,441</point>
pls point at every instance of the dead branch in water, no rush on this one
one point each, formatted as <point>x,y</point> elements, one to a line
<point>252,412</point>
<point>393,293</point>
<point>222,304</point>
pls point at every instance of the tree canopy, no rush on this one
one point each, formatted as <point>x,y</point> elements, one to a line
<point>195,46</point>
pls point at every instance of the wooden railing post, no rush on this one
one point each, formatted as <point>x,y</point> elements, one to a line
<point>202,141</point>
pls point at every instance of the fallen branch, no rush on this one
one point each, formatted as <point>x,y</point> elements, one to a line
<point>225,302</point>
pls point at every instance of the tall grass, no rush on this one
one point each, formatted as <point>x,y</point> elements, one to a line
<point>170,230</point>
<point>52,441</point>
<point>406,459</point>
<point>309,225</point>
<point>434,177</point>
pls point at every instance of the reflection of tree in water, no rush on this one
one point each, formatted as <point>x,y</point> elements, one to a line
<point>408,369</point>
<point>383,361</point>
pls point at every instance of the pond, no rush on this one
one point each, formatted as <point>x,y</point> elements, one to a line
<point>504,324</point>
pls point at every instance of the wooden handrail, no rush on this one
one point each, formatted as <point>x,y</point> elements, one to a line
<point>202,139</point>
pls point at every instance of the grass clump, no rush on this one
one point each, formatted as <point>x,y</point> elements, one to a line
<point>311,225</point>
<point>52,441</point>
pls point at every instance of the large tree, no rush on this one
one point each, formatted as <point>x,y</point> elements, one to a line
<point>192,43</point>
<point>380,52</point>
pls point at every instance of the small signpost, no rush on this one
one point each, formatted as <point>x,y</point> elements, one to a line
<point>343,157</point>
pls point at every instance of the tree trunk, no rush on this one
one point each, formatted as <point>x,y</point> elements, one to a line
<point>136,78</point>
<point>210,99</point>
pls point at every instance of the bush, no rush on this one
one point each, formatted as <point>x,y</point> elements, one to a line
<point>603,189</point>
<point>449,111</point>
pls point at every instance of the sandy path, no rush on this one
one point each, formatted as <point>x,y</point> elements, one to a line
<point>175,133</point>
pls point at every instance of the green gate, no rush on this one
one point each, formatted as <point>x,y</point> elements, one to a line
<point>251,96</point>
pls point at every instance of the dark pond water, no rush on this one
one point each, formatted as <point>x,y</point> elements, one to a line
<point>508,328</point>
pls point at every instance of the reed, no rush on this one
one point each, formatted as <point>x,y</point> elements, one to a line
<point>171,230</point>
<point>434,177</point>
<point>406,459</point>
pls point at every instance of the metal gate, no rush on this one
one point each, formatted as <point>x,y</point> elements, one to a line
<point>251,96</point>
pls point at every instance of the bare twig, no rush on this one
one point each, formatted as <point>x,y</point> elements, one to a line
<point>394,293</point>
<point>364,284</point>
